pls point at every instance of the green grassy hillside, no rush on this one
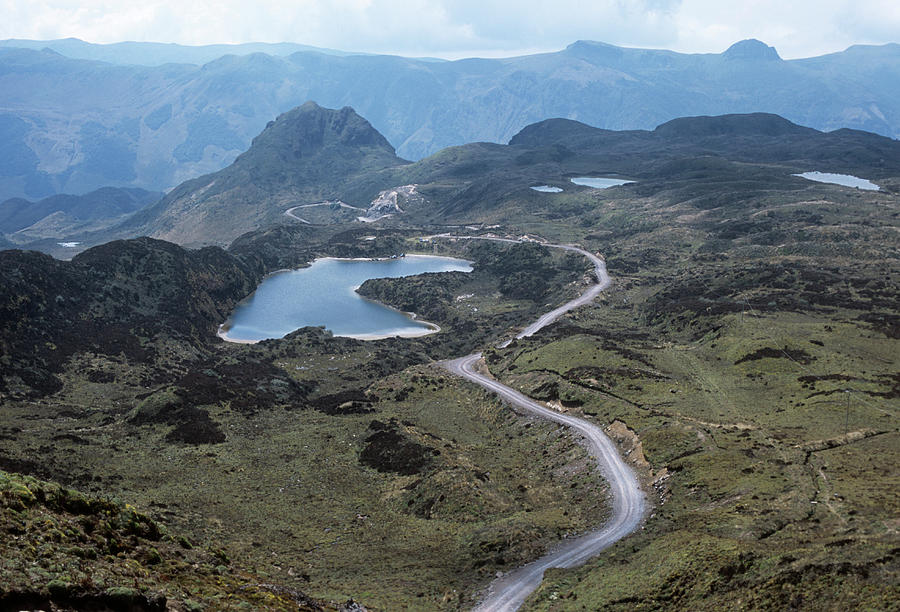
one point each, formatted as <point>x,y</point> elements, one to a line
<point>745,359</point>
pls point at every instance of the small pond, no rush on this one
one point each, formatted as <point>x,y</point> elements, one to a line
<point>547,189</point>
<point>598,182</point>
<point>847,180</point>
<point>324,294</point>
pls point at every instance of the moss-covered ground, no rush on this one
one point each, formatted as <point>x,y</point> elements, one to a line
<point>63,550</point>
<point>745,357</point>
<point>753,350</point>
<point>330,465</point>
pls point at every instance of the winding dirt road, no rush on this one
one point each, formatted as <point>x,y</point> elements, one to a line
<point>508,592</point>
<point>290,211</point>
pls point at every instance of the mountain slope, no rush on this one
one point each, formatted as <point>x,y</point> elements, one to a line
<point>312,154</point>
<point>755,137</point>
<point>72,125</point>
<point>306,155</point>
<point>744,358</point>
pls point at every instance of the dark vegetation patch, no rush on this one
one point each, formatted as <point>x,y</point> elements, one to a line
<point>525,270</point>
<point>99,376</point>
<point>883,322</point>
<point>247,386</point>
<point>390,449</point>
<point>110,300</point>
<point>428,295</point>
<point>600,374</point>
<point>74,439</point>
<point>71,597</point>
<point>800,286</point>
<point>798,355</point>
<point>195,427</point>
<point>29,467</point>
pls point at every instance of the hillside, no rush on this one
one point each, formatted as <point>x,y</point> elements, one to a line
<point>158,54</point>
<point>312,154</point>
<point>64,550</point>
<point>306,155</point>
<point>62,216</point>
<point>156,126</point>
<point>744,360</point>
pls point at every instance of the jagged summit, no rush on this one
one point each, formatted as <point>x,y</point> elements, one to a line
<point>751,50</point>
<point>311,127</point>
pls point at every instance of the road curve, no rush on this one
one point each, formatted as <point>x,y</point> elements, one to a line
<point>588,296</point>
<point>628,504</point>
<point>290,213</point>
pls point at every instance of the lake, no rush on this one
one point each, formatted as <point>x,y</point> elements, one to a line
<point>847,180</point>
<point>598,182</point>
<point>324,294</point>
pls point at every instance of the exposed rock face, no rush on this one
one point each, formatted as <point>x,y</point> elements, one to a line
<point>390,201</point>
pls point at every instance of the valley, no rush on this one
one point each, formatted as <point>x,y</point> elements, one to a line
<point>743,358</point>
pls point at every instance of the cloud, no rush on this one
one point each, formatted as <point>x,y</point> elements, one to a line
<point>463,27</point>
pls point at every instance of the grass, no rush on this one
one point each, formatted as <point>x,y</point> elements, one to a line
<point>287,494</point>
<point>741,320</point>
<point>763,391</point>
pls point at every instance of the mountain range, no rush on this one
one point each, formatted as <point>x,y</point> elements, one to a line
<point>313,154</point>
<point>157,54</point>
<point>72,125</point>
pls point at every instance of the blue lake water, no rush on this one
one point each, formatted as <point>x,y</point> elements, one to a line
<point>847,180</point>
<point>598,182</point>
<point>324,294</point>
<point>547,189</point>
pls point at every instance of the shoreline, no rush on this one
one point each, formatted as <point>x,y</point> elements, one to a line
<point>432,328</point>
<point>405,256</point>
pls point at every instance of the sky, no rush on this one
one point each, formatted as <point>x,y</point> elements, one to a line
<point>465,28</point>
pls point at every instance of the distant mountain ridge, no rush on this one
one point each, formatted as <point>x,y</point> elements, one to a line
<point>17,214</point>
<point>157,54</point>
<point>73,125</point>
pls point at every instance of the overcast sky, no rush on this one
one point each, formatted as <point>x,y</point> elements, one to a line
<point>464,28</point>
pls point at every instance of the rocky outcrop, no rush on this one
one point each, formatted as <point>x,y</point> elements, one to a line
<point>109,300</point>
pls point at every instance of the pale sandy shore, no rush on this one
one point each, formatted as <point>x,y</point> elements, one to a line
<point>432,328</point>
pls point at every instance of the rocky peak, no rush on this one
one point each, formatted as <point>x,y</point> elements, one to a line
<point>310,127</point>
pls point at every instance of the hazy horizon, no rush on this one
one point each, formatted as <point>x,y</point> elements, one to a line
<point>494,54</point>
<point>463,28</point>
